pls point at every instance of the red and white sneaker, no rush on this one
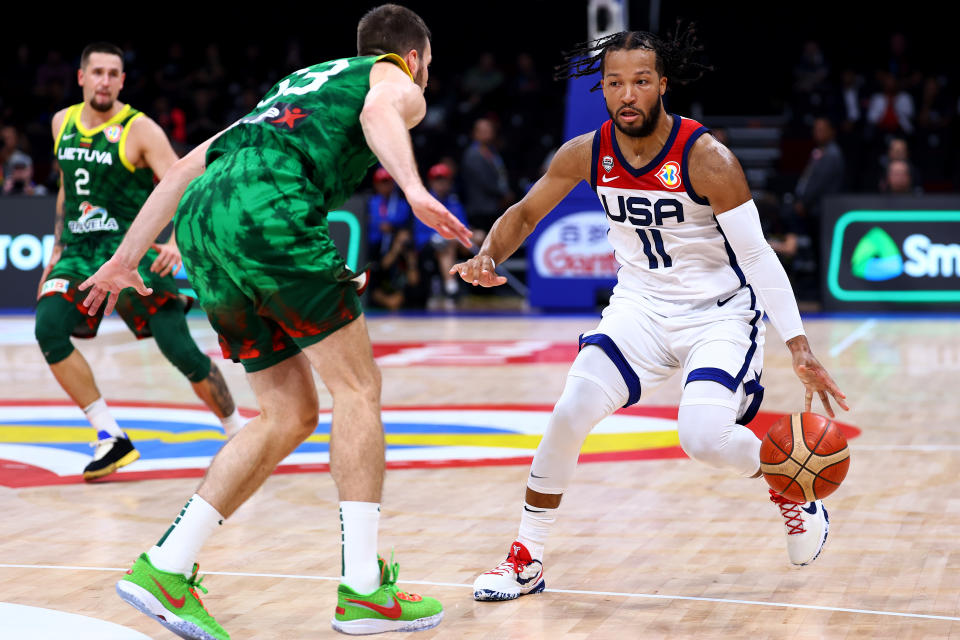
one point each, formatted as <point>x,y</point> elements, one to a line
<point>806,525</point>
<point>516,576</point>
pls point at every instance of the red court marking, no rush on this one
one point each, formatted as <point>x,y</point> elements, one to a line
<point>15,474</point>
<point>467,354</point>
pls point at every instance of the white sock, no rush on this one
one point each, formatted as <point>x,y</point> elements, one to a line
<point>359,522</point>
<point>232,423</point>
<point>177,550</point>
<point>98,413</point>
<point>535,525</point>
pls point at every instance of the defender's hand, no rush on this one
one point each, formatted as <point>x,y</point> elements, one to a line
<point>169,259</point>
<point>107,283</point>
<point>478,271</point>
<point>433,214</point>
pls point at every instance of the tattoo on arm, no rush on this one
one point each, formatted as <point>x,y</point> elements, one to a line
<point>58,226</point>
<point>59,213</point>
<point>220,392</point>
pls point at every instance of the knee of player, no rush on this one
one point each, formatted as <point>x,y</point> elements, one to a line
<point>701,438</point>
<point>700,447</point>
<point>54,342</point>
<point>362,385</point>
<point>297,418</point>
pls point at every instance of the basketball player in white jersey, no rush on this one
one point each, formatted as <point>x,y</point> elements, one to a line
<point>696,277</point>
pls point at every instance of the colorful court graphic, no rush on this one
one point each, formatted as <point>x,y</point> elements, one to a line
<point>47,442</point>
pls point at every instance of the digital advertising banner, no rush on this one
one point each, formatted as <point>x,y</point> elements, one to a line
<point>26,243</point>
<point>891,253</point>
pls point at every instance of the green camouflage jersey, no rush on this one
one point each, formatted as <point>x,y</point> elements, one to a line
<point>103,190</point>
<point>313,115</point>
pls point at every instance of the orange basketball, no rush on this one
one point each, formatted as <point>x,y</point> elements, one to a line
<point>804,457</point>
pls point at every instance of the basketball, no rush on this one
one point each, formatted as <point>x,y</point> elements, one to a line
<point>804,457</point>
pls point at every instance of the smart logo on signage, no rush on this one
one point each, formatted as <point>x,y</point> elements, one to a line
<point>896,256</point>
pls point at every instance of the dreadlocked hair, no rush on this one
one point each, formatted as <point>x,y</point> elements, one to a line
<point>676,55</point>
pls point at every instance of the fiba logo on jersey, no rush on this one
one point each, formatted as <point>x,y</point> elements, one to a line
<point>669,174</point>
<point>112,133</point>
<point>607,163</point>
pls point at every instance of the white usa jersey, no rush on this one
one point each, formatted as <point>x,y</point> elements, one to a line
<point>665,236</point>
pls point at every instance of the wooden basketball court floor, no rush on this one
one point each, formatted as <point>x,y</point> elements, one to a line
<point>654,547</point>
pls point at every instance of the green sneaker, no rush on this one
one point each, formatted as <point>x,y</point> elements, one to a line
<point>170,599</point>
<point>386,609</point>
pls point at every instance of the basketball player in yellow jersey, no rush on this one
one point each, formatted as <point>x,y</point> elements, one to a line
<point>109,154</point>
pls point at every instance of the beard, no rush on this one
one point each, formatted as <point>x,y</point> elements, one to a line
<point>103,107</point>
<point>418,78</point>
<point>647,125</point>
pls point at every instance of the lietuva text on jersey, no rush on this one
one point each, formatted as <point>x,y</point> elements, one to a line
<point>102,188</point>
<point>665,236</point>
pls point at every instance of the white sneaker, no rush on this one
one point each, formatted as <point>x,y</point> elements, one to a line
<point>806,526</point>
<point>516,576</point>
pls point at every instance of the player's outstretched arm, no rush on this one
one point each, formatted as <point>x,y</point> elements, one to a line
<point>59,211</point>
<point>392,106</point>
<point>120,271</point>
<point>716,174</point>
<point>569,165</point>
<point>148,144</point>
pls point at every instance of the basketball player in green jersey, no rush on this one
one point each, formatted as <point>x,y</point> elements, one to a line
<point>252,225</point>
<point>108,154</point>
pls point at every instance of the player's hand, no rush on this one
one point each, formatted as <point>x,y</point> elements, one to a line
<point>54,258</point>
<point>478,271</point>
<point>168,259</point>
<point>436,216</point>
<point>107,283</point>
<point>815,379</point>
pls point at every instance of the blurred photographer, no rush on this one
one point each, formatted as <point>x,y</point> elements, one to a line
<point>20,180</point>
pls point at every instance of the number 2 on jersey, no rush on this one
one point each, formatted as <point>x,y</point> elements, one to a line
<point>317,79</point>
<point>83,177</point>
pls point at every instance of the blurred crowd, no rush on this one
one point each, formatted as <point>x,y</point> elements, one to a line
<point>489,130</point>
<point>891,129</point>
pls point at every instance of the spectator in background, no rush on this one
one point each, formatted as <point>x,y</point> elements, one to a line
<point>173,121</point>
<point>934,119</point>
<point>202,123</point>
<point>396,281</point>
<point>11,152</point>
<point>847,105</point>
<point>822,176</point>
<point>891,109</point>
<point>823,173</point>
<point>898,179</point>
<point>480,83</point>
<point>437,254</point>
<point>897,151</point>
<point>387,212</point>
<point>810,77</point>
<point>211,72</point>
<point>170,75</point>
<point>19,182</point>
<point>484,177</point>
<point>54,71</point>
